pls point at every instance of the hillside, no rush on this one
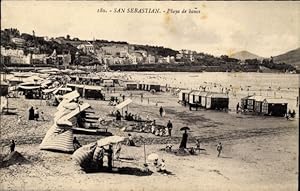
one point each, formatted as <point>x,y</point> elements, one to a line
<point>292,57</point>
<point>244,55</point>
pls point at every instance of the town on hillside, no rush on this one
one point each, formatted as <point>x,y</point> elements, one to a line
<point>22,49</point>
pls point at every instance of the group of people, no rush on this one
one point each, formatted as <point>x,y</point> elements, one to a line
<point>132,117</point>
<point>164,131</point>
<point>34,114</point>
<point>160,167</point>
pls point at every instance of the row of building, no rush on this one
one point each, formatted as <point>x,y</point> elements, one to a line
<point>106,53</point>
<point>17,56</point>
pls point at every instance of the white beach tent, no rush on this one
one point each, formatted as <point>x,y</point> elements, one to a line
<point>123,104</point>
<point>60,136</point>
<point>67,98</point>
<point>65,119</point>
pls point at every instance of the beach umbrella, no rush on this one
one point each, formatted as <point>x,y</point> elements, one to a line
<point>184,128</point>
<point>153,156</point>
<point>110,140</point>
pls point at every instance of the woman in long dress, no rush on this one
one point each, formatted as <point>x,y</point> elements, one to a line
<point>31,114</point>
<point>184,140</point>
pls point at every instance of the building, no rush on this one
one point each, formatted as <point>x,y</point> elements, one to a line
<point>87,48</point>
<point>138,57</point>
<point>18,41</point>
<point>115,50</point>
<point>16,56</point>
<point>186,54</point>
<point>150,59</point>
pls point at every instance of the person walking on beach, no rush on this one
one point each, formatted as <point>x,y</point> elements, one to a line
<point>219,148</point>
<point>237,107</point>
<point>31,114</point>
<point>170,127</point>
<point>184,140</point>
<point>12,146</point>
<point>161,111</point>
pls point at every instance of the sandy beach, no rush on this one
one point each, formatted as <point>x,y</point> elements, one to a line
<point>260,153</point>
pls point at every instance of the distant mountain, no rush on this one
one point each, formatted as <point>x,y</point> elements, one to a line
<point>292,57</point>
<point>244,55</point>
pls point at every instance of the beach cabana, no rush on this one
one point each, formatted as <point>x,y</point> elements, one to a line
<point>107,83</point>
<point>94,92</point>
<point>194,97</point>
<point>274,107</point>
<point>202,96</point>
<point>248,103</point>
<point>131,85</point>
<point>154,87</point>
<point>184,96</point>
<point>217,101</point>
<point>258,101</point>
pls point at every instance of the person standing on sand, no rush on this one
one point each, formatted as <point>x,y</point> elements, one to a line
<point>12,146</point>
<point>219,148</point>
<point>237,107</point>
<point>170,127</point>
<point>183,140</point>
<point>161,111</point>
<point>31,114</point>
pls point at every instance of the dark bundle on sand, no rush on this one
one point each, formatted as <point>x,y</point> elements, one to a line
<point>13,158</point>
<point>182,152</point>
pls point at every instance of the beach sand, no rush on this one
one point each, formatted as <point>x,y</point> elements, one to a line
<point>260,153</point>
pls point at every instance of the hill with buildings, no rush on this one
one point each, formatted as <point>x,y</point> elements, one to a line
<point>28,49</point>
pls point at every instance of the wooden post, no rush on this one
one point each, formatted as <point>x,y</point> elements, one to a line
<point>145,151</point>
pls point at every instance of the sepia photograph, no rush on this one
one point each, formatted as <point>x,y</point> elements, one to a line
<point>149,95</point>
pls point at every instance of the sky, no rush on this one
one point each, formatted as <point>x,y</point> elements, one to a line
<point>263,28</point>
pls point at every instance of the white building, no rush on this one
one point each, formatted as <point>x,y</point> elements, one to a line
<point>87,48</point>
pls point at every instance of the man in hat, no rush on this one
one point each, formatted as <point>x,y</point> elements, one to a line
<point>170,127</point>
